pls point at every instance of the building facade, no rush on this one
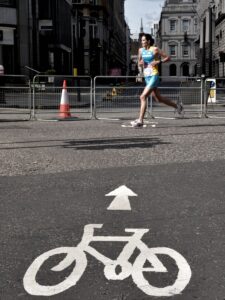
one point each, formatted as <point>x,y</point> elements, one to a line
<point>206,38</point>
<point>212,37</point>
<point>35,34</point>
<point>100,35</point>
<point>178,29</point>
<point>8,27</point>
<point>219,44</point>
<point>135,45</point>
<point>84,37</point>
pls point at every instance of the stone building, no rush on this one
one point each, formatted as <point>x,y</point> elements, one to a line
<point>53,35</point>
<point>178,33</point>
<point>8,26</point>
<point>135,45</point>
<point>35,34</point>
<point>211,56</point>
<point>219,44</point>
<point>206,33</point>
<point>84,37</point>
<point>101,37</point>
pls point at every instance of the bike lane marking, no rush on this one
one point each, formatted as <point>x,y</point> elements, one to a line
<point>78,254</point>
<point>189,223</point>
<point>121,201</point>
<point>136,270</point>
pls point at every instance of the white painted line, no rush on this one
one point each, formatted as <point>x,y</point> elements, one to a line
<point>110,119</point>
<point>183,276</point>
<point>130,126</point>
<point>165,118</point>
<point>215,117</point>
<point>149,122</point>
<point>121,201</point>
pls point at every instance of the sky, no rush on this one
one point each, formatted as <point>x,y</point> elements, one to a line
<point>148,10</point>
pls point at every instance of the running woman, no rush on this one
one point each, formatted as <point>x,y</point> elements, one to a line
<point>149,58</point>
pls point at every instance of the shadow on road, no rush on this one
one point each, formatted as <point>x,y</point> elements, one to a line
<point>89,144</point>
<point>202,125</point>
<point>114,143</point>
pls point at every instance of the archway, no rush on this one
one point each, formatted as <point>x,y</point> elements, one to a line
<point>185,69</point>
<point>173,70</point>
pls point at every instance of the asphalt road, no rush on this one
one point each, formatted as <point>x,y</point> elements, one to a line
<point>56,178</point>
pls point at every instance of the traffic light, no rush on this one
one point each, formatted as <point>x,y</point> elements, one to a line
<point>1,35</point>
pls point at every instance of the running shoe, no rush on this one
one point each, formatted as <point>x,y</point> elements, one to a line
<point>180,109</point>
<point>136,123</point>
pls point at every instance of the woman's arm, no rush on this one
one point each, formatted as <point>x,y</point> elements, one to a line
<point>163,55</point>
<point>159,53</point>
<point>140,60</point>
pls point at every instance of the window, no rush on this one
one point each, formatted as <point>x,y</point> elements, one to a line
<point>218,40</point>
<point>221,5</point>
<point>185,50</point>
<point>197,53</point>
<point>217,66</point>
<point>173,70</point>
<point>172,50</point>
<point>172,25</point>
<point>185,69</point>
<point>45,10</point>
<point>93,29</point>
<point>82,28</point>
<point>185,25</point>
<point>195,25</point>
<point>7,2</point>
<point>51,59</point>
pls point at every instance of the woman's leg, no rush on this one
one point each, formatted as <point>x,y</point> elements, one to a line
<point>156,94</point>
<point>143,98</point>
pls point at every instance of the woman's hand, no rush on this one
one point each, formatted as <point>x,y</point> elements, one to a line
<point>141,62</point>
<point>154,63</point>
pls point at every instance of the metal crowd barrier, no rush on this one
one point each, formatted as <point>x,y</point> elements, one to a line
<point>111,97</point>
<point>215,98</point>
<point>47,91</point>
<point>117,97</point>
<point>15,97</point>
<point>185,90</point>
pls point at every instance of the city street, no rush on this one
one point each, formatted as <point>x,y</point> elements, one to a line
<point>92,208</point>
<point>147,204</point>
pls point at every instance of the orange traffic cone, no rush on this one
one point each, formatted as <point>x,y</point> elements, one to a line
<point>64,110</point>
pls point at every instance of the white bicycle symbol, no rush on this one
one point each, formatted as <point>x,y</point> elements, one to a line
<point>137,270</point>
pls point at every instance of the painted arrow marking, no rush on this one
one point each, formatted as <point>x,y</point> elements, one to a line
<point>121,201</point>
